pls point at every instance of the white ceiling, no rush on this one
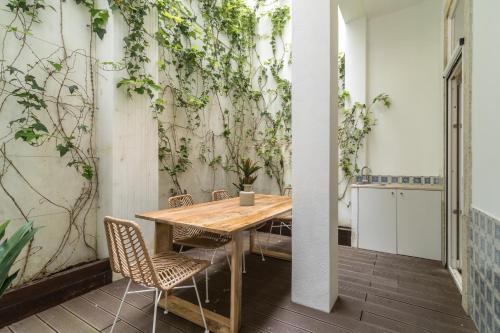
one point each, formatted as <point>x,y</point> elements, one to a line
<point>353,9</point>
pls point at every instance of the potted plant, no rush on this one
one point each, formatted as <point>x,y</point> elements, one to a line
<point>246,170</point>
<point>247,176</point>
<point>10,249</point>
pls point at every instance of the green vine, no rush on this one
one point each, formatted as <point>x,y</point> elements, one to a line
<point>52,108</point>
<point>208,62</point>
<point>356,122</point>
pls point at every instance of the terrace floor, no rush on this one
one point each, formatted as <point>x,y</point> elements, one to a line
<point>378,293</point>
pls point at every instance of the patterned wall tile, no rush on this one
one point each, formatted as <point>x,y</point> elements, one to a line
<point>484,282</point>
<point>392,179</point>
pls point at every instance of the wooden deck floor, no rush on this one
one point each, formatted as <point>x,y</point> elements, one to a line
<point>378,293</point>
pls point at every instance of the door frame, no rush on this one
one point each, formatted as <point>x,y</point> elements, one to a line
<point>455,62</point>
<point>448,11</point>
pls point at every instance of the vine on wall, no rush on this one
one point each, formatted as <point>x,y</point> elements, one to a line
<point>356,122</point>
<point>209,64</point>
<point>209,61</point>
<point>52,109</point>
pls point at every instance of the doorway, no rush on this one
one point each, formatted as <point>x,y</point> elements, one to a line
<point>454,167</point>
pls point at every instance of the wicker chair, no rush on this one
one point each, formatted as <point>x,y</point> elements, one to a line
<point>283,220</point>
<point>194,237</point>
<point>160,273</point>
<point>223,195</point>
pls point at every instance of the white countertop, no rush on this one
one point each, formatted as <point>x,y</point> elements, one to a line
<point>423,187</point>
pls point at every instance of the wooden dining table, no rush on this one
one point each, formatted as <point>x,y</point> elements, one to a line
<point>224,217</point>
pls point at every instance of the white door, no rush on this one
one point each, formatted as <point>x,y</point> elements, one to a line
<point>377,219</point>
<point>419,223</point>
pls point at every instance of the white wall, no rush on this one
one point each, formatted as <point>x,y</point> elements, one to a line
<point>355,83</point>
<point>404,60</point>
<point>485,107</point>
<point>127,143</point>
<point>48,188</point>
<point>201,179</point>
<point>397,54</point>
<point>315,158</point>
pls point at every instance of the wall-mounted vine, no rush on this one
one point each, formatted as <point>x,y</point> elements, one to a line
<point>51,108</point>
<point>356,122</point>
<point>208,61</point>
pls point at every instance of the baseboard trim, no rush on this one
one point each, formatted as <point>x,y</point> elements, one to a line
<point>52,290</point>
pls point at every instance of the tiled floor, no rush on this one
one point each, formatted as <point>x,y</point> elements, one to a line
<point>378,293</point>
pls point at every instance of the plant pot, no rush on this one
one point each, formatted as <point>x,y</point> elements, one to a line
<point>247,196</point>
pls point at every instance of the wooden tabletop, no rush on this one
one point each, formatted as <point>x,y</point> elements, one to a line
<point>224,216</point>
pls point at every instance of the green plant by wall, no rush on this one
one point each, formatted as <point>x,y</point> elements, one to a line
<point>10,249</point>
<point>356,122</point>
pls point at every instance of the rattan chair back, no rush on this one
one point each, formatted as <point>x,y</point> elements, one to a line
<point>287,191</point>
<point>128,253</point>
<point>220,195</point>
<point>183,200</point>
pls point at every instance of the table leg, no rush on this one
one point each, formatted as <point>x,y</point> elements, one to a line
<point>235,319</point>
<point>252,240</point>
<point>163,237</point>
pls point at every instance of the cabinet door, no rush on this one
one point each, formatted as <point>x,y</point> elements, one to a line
<point>377,219</point>
<point>419,223</point>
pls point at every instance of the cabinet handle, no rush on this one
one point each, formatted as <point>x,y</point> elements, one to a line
<point>401,193</point>
<point>392,192</point>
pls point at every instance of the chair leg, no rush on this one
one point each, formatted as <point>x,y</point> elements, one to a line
<point>227,258</point>
<point>269,235</point>
<point>207,299</point>
<point>121,304</point>
<point>157,300</point>
<point>213,257</point>
<point>199,303</point>
<point>182,247</point>
<point>260,246</point>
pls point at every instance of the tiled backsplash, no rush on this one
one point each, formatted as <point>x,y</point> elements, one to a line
<point>390,179</point>
<point>485,271</point>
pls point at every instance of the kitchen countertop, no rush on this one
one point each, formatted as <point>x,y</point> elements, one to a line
<point>424,187</point>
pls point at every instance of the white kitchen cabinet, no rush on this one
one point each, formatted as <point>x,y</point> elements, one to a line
<point>397,220</point>
<point>418,223</point>
<point>377,220</point>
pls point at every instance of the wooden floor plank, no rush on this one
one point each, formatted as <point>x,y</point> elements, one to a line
<point>89,313</point>
<point>390,325</point>
<point>63,321</point>
<point>378,292</point>
<point>132,315</point>
<point>122,327</point>
<point>29,325</point>
<point>138,300</point>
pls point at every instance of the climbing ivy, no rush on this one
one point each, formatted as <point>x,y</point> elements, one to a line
<point>356,122</point>
<point>208,61</point>
<point>52,108</point>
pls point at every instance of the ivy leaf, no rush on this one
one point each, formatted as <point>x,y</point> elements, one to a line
<point>30,79</point>
<point>27,135</point>
<point>13,70</point>
<point>62,149</point>
<point>40,127</point>
<point>56,65</point>
<point>72,88</point>
<point>99,20</point>
<point>88,172</point>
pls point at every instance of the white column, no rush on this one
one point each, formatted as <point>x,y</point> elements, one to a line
<point>315,153</point>
<point>127,140</point>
